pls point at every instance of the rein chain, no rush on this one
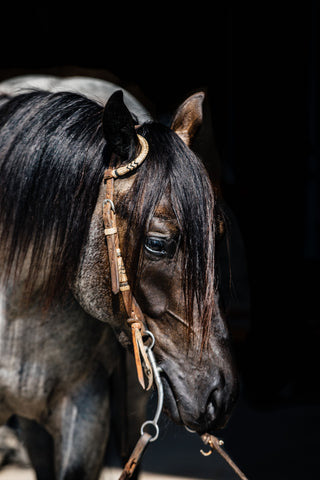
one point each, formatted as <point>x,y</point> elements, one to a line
<point>144,359</point>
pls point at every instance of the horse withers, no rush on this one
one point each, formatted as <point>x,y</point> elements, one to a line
<point>61,328</point>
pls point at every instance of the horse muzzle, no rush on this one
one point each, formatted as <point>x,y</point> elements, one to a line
<point>202,408</point>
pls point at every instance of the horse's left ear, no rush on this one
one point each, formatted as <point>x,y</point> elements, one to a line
<point>118,126</point>
<point>188,117</point>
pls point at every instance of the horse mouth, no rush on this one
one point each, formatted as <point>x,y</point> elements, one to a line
<point>171,407</point>
<point>170,403</point>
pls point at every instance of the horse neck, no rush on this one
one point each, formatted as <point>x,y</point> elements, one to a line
<point>94,88</point>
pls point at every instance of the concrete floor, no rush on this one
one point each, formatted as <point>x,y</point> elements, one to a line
<point>13,473</point>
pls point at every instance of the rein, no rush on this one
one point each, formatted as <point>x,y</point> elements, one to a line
<point>144,359</point>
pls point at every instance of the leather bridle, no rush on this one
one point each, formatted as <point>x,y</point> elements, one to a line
<point>119,280</point>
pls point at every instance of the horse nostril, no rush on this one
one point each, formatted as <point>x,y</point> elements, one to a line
<point>213,404</point>
<point>212,409</point>
<point>216,406</point>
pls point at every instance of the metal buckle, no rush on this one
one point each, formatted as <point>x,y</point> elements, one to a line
<point>106,201</point>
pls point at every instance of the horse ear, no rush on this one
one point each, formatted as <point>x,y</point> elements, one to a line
<point>188,117</point>
<point>118,126</point>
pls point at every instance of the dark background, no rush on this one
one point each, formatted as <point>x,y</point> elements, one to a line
<point>259,66</point>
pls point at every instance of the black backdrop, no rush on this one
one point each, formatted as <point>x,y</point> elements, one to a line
<point>259,66</point>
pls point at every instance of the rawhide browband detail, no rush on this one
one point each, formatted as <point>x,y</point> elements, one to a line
<point>144,149</point>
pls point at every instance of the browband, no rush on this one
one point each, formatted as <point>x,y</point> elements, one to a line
<point>118,172</point>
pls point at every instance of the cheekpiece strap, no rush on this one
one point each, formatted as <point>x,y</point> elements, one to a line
<point>119,280</point>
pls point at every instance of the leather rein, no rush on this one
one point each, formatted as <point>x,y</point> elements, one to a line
<point>144,359</point>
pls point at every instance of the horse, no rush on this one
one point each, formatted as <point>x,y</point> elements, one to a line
<point>63,323</point>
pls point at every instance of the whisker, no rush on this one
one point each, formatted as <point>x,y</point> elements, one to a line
<point>177,317</point>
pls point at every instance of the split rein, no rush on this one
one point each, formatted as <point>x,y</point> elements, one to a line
<point>144,359</point>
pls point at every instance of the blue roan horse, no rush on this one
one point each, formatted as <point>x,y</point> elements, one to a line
<point>62,330</point>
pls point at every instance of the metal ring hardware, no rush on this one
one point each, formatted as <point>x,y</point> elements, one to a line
<point>155,425</point>
<point>153,341</point>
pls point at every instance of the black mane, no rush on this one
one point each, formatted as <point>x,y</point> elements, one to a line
<point>172,167</point>
<point>51,165</point>
<point>52,158</point>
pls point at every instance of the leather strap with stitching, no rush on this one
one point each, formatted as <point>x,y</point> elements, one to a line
<point>119,282</point>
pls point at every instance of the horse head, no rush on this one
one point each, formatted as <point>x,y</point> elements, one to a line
<point>166,224</point>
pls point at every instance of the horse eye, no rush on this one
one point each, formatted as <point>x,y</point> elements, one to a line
<point>157,246</point>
